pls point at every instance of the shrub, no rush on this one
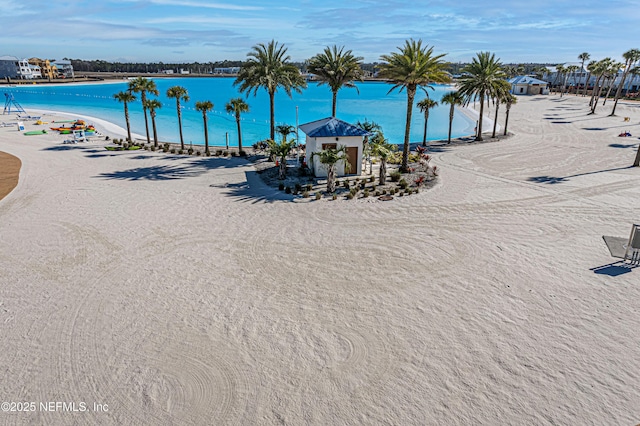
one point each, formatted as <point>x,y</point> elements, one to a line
<point>198,153</point>
<point>318,195</point>
<point>298,187</point>
<point>334,196</point>
<point>281,186</point>
<point>349,196</point>
<point>346,184</point>
<point>166,146</point>
<point>371,178</point>
<point>365,194</point>
<point>353,191</point>
<point>373,187</point>
<point>180,152</point>
<point>153,148</point>
<point>218,152</point>
<point>146,148</point>
<point>377,193</point>
<point>403,184</point>
<point>395,176</point>
<point>234,154</point>
<point>309,187</point>
<point>305,194</point>
<point>225,153</point>
<point>287,190</point>
<point>173,150</point>
<point>416,190</point>
<point>165,149</point>
<point>242,153</point>
<point>190,151</point>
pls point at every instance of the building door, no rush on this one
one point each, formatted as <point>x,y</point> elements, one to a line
<point>352,158</point>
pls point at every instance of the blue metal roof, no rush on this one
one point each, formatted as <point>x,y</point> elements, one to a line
<point>525,79</point>
<point>331,127</point>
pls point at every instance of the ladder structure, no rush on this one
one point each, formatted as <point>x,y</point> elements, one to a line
<point>10,101</point>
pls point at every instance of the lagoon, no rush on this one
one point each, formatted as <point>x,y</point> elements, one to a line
<point>371,101</point>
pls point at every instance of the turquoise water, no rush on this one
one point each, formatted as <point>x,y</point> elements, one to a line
<point>370,101</point>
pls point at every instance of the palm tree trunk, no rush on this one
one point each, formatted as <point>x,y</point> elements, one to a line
<point>239,135</point>
<point>155,132</point>
<point>596,99</point>
<point>272,115</point>
<point>282,170</point>
<point>180,123</point>
<point>383,171</point>
<point>480,118</point>
<point>495,120</point>
<point>619,91</point>
<point>593,93</point>
<point>334,102</point>
<point>206,134</point>
<point>608,92</point>
<point>586,84</point>
<point>331,179</point>
<point>506,119</point>
<point>426,120</point>
<point>143,98</point>
<point>636,162</point>
<point>126,118</point>
<point>411,93</point>
<point>450,122</point>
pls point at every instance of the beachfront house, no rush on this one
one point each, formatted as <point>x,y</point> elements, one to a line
<point>65,69</point>
<point>527,85</point>
<point>8,67</point>
<point>331,132</point>
<point>46,69</point>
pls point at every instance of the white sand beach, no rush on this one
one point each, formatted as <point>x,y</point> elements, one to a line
<point>181,290</point>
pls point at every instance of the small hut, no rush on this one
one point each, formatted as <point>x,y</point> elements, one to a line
<point>333,133</point>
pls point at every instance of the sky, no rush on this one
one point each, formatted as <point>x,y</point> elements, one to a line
<point>170,31</point>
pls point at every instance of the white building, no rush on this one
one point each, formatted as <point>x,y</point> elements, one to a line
<point>526,85</point>
<point>333,133</point>
<point>25,71</point>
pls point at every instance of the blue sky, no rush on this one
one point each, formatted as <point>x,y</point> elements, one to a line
<point>198,30</point>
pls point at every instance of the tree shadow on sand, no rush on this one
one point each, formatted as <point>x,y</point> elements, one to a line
<point>185,170</point>
<point>254,190</point>
<point>551,180</point>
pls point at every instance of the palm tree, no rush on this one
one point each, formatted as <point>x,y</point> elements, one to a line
<point>205,107</point>
<point>503,91</point>
<point>599,69</point>
<point>509,100</point>
<point>631,57</point>
<point>237,106</point>
<point>336,68</point>
<point>372,128</point>
<point>329,157</point>
<point>143,86</point>
<point>453,99</point>
<point>559,71</point>
<point>424,106</point>
<point>381,148</point>
<point>125,98</point>
<point>584,56</point>
<point>281,150</point>
<point>268,68</point>
<point>285,130</point>
<point>483,78</point>
<point>636,162</point>
<point>179,93</point>
<point>152,105</point>
<point>612,73</point>
<point>413,67</point>
<point>571,69</point>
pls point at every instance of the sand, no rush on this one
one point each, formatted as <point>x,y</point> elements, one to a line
<point>179,290</point>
